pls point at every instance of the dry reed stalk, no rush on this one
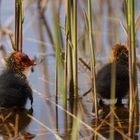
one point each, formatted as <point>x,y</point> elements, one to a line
<point>18,24</point>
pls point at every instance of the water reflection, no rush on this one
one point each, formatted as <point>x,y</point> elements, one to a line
<point>13,124</point>
<point>120,125</point>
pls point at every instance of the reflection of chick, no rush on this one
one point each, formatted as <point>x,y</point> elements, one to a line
<point>103,83</point>
<point>9,130</point>
<point>14,88</point>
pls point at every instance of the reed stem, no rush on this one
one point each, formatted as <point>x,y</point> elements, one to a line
<point>92,58</point>
<point>18,24</point>
<point>59,77</point>
<point>74,46</point>
<point>132,64</point>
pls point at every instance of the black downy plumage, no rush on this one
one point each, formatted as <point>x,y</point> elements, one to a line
<point>14,87</point>
<point>103,82</point>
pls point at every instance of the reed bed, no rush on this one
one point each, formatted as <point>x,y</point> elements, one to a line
<point>74,39</point>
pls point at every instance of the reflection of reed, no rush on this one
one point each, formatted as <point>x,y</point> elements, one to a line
<point>13,123</point>
<point>73,106</point>
<point>120,125</point>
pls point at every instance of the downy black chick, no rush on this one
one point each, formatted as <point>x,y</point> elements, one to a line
<point>103,81</point>
<point>14,87</point>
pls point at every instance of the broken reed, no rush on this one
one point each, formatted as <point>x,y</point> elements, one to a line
<point>133,97</point>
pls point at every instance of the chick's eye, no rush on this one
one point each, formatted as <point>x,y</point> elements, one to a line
<point>24,59</point>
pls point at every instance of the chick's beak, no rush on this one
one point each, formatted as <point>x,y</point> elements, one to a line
<point>31,62</point>
<point>28,62</point>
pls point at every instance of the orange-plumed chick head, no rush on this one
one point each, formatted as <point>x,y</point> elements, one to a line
<point>120,54</point>
<point>19,62</point>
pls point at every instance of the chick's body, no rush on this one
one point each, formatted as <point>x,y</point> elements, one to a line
<point>103,82</point>
<point>14,90</point>
<point>14,87</point>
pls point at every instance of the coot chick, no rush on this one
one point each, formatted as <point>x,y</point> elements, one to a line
<point>14,87</point>
<point>103,81</point>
